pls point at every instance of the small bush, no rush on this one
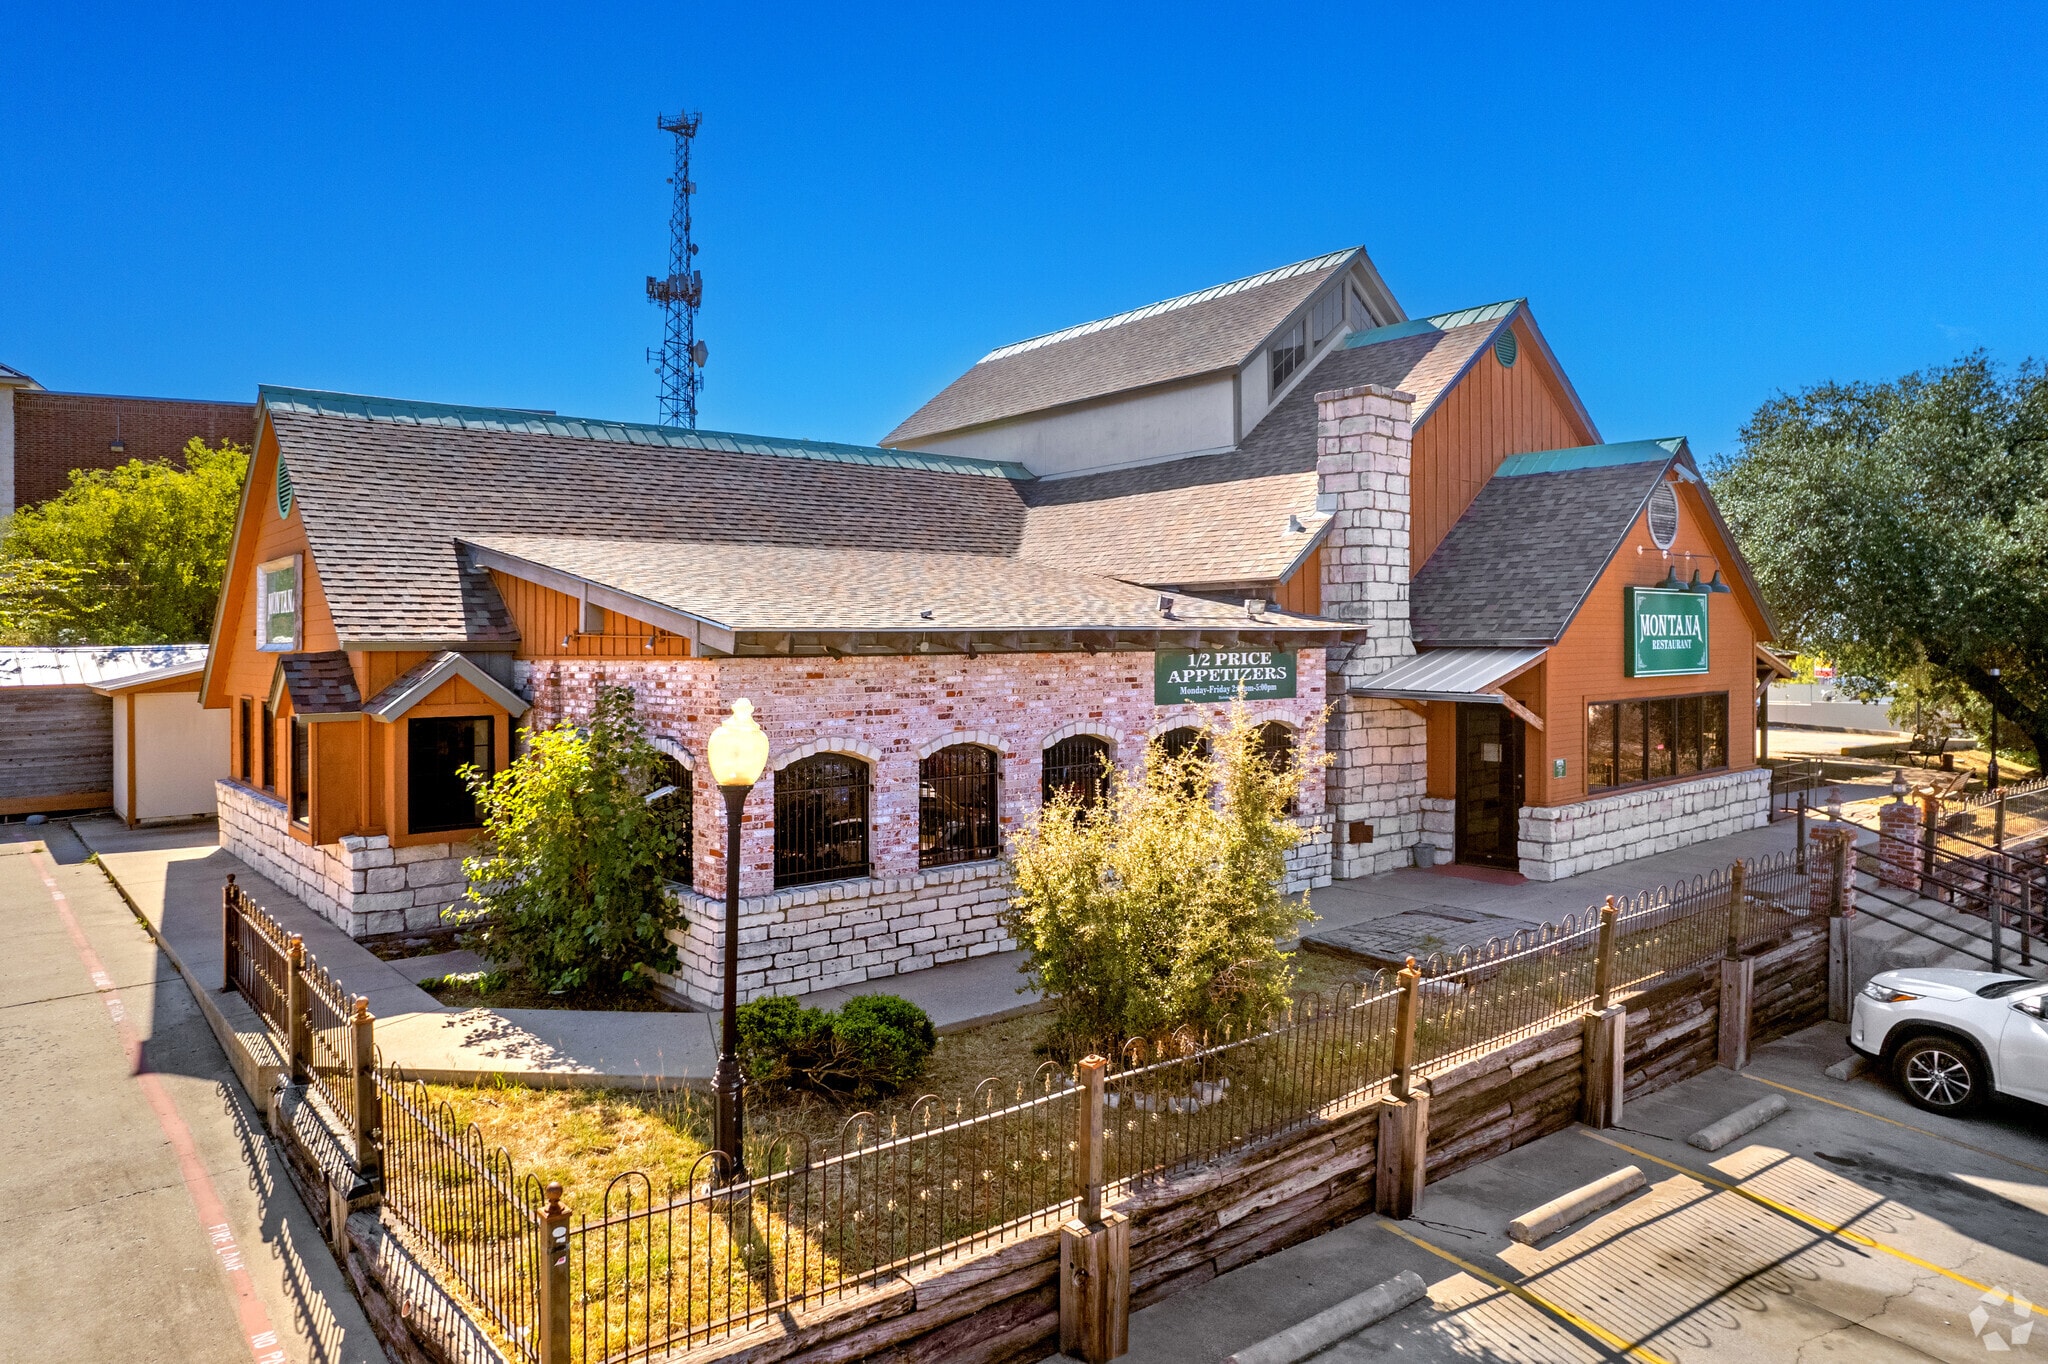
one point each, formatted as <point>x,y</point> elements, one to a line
<point>872,1046</point>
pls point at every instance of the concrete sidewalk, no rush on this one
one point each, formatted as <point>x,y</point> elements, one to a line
<point>145,1214</point>
<point>173,875</point>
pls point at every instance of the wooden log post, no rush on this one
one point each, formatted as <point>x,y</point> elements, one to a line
<point>1738,981</point>
<point>229,936</point>
<point>554,1281</point>
<point>1095,1249</point>
<point>369,1124</point>
<point>1403,1146</point>
<point>1604,1041</point>
<point>1838,860</point>
<point>298,1013</point>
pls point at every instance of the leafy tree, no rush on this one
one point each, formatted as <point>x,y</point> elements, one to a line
<point>1905,524</point>
<point>129,555</point>
<point>1161,906</point>
<point>567,879</point>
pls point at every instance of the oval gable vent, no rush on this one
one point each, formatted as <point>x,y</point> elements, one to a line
<point>284,489</point>
<point>1504,348</point>
<point>1664,515</point>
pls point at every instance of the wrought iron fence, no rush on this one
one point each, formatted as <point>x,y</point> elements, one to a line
<point>257,956</point>
<point>654,1269</point>
<point>333,1019</point>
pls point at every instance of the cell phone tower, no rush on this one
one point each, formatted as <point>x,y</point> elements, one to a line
<point>680,362</point>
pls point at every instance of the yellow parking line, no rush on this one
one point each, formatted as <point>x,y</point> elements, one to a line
<point>1852,1108</point>
<point>1817,1223</point>
<point>1565,1314</point>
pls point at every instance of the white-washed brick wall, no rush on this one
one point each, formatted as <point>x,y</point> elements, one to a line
<point>1362,467</point>
<point>362,884</point>
<point>891,710</point>
<point>1564,840</point>
<point>1440,825</point>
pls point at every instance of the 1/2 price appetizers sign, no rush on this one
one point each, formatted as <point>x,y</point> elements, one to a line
<point>1187,676</point>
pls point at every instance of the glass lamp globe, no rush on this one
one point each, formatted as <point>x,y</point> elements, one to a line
<point>739,748</point>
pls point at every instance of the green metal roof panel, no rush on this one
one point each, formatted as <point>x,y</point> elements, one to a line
<point>409,413</point>
<point>1589,457</point>
<point>1441,322</point>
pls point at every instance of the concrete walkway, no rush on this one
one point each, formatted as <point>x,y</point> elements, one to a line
<point>173,875</point>
<point>144,1212</point>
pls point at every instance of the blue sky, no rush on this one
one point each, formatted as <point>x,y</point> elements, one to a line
<point>460,204</point>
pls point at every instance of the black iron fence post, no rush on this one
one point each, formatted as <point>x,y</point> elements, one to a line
<point>298,1013</point>
<point>229,913</point>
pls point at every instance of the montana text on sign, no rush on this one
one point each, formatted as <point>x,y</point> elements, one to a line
<point>1180,675</point>
<point>1667,632</point>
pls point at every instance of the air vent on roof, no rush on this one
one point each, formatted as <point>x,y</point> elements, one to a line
<point>1504,347</point>
<point>1664,515</point>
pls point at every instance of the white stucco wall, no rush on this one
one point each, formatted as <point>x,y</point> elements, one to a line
<point>1130,428</point>
<point>180,750</point>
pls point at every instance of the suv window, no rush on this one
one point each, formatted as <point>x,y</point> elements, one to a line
<point>1999,989</point>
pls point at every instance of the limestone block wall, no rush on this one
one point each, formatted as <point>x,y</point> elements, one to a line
<point>892,712</point>
<point>1564,840</point>
<point>361,884</point>
<point>1362,470</point>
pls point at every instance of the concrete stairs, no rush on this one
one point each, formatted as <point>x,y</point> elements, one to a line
<point>1916,931</point>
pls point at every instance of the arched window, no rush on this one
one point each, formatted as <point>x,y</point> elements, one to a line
<point>1080,766</point>
<point>1177,743</point>
<point>1276,746</point>
<point>956,806</point>
<point>821,819</point>
<point>674,799</point>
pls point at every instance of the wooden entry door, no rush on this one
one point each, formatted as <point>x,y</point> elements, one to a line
<point>1489,786</point>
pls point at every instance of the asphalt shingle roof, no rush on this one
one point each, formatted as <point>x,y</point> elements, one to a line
<point>1180,338</point>
<point>1224,518</point>
<point>320,684</point>
<point>776,588</point>
<point>1518,563</point>
<point>383,500</point>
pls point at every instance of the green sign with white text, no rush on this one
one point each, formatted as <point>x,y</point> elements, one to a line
<point>1182,675</point>
<point>1667,632</point>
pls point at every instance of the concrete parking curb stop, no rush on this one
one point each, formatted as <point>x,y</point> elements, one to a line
<point>1328,1327</point>
<point>1849,1067</point>
<point>1714,1136</point>
<point>1547,1220</point>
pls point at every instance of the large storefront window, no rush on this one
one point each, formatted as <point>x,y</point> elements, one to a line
<point>1078,766</point>
<point>1628,742</point>
<point>821,820</point>
<point>437,749</point>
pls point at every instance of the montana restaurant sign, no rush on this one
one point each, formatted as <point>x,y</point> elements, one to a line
<point>1182,675</point>
<point>1667,632</point>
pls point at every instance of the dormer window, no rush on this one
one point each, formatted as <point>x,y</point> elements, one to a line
<point>1361,316</point>
<point>1288,352</point>
<point>1328,315</point>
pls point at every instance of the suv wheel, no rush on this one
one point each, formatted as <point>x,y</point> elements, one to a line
<point>1940,1074</point>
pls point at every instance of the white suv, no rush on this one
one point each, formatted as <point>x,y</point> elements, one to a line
<point>1952,1037</point>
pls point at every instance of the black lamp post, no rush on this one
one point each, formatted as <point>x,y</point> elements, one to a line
<point>738,751</point>
<point>1991,774</point>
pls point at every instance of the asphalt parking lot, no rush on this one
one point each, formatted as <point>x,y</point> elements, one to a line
<point>1853,1227</point>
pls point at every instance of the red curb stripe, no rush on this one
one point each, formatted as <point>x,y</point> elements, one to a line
<point>264,1347</point>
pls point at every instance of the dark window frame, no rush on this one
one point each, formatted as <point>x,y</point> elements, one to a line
<point>1287,354</point>
<point>1079,763</point>
<point>959,805</point>
<point>456,810</point>
<point>673,771</point>
<point>268,745</point>
<point>246,713</point>
<point>1693,727</point>
<point>1279,746</point>
<point>301,793</point>
<point>823,820</point>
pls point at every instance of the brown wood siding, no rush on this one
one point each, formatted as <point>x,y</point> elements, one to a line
<point>338,779</point>
<point>1588,664</point>
<point>1442,777</point>
<point>56,749</point>
<point>1302,592</point>
<point>551,626</point>
<point>1489,414</point>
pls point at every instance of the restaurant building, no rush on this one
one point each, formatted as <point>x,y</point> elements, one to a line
<point>1519,646</point>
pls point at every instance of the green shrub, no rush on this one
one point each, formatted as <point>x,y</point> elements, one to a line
<point>1161,906</point>
<point>567,880</point>
<point>873,1046</point>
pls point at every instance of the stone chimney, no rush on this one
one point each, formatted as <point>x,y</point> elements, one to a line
<point>1375,785</point>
